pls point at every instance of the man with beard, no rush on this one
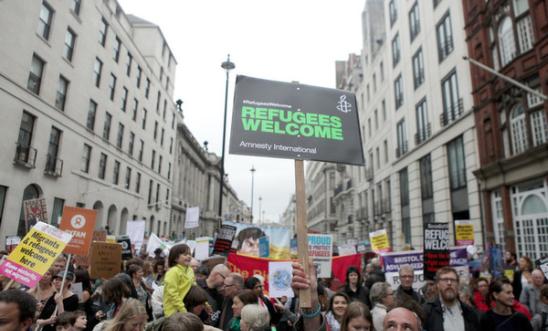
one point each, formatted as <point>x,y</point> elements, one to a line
<point>212,285</point>
<point>447,312</point>
<point>502,317</point>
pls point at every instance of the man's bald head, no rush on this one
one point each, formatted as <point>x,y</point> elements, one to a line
<point>401,319</point>
<point>538,278</point>
<point>217,276</point>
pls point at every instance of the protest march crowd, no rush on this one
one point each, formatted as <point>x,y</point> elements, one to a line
<point>167,288</point>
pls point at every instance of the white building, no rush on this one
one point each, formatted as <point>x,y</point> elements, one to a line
<point>87,113</point>
<point>417,123</point>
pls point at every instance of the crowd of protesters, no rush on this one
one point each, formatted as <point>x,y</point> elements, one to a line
<point>178,293</point>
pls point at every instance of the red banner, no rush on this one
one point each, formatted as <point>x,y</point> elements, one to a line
<point>248,266</point>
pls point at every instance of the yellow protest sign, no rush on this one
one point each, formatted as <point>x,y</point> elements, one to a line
<point>379,241</point>
<point>35,254</point>
<point>464,233</point>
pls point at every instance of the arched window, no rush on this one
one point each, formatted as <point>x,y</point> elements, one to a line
<point>518,130</point>
<point>507,44</point>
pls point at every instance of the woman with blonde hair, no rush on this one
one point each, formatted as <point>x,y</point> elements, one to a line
<point>254,318</point>
<point>131,317</point>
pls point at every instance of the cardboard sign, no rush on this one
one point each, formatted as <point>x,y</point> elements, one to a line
<point>379,241</point>
<point>106,259</point>
<point>125,242</point>
<point>35,210</point>
<point>35,254</point>
<point>464,233</point>
<point>80,223</point>
<point>223,242</point>
<point>100,235</point>
<point>320,248</point>
<point>295,121</point>
<point>436,248</point>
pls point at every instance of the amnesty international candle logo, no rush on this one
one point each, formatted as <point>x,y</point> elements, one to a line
<point>78,221</point>
<point>295,121</point>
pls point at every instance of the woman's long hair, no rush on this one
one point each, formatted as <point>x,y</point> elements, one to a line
<point>130,309</point>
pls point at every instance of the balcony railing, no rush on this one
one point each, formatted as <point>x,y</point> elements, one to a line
<point>369,173</point>
<point>423,134</point>
<point>402,149</point>
<point>54,166</point>
<point>454,112</point>
<point>25,156</point>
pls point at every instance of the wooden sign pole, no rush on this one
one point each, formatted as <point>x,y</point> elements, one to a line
<point>302,237</point>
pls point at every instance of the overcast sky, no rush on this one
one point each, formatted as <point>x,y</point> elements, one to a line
<point>284,40</point>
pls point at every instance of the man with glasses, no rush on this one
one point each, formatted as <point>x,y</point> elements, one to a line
<point>447,312</point>
<point>232,285</point>
<point>213,286</point>
<point>405,291</point>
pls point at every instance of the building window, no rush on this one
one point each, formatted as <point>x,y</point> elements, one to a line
<point>149,198</point>
<point>75,6</point>
<point>414,21</point>
<point>112,86</point>
<point>61,96</point>
<point>376,116</point>
<point>457,167</point>
<point>147,88</point>
<point>120,137</point>
<point>398,91</point>
<point>507,45</point>
<point>153,160</point>
<point>169,171</point>
<point>392,11</point>
<point>155,130</point>
<point>129,63</point>
<point>138,183</point>
<point>165,110</point>
<point>24,139</point>
<point>418,68</point>
<point>57,211</point>
<point>135,109</point>
<point>35,75</point>
<point>102,166</point>
<point>86,157</point>
<point>116,49</point>
<point>158,195</point>
<point>160,161</point>
<point>106,126</point>
<point>103,30</point>
<point>131,143</point>
<point>162,137</point>
<point>452,103</point>
<point>116,173</point>
<point>141,150</point>
<point>396,50</point>
<point>539,127</point>
<point>128,178</point>
<point>427,190</point>
<point>171,145</point>
<point>173,120</point>
<point>385,151</point>
<point>92,111</point>
<point>139,76</point>
<point>401,138</point>
<point>381,71</point>
<point>3,192</point>
<point>518,129</point>
<point>124,99</point>
<point>144,122</point>
<point>404,202</point>
<point>52,161</point>
<point>526,37</point>
<point>97,71</point>
<point>158,97</point>
<point>70,41</point>
<point>423,126</point>
<point>383,110</point>
<point>46,17</point>
<point>445,37</point>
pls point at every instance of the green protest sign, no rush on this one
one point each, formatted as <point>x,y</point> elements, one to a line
<point>295,121</point>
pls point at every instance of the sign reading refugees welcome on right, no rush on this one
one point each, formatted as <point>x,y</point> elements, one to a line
<point>295,121</point>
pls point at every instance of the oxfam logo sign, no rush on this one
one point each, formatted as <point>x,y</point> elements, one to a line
<point>78,222</point>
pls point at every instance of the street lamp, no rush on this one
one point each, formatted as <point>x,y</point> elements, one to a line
<point>227,65</point>
<point>252,183</point>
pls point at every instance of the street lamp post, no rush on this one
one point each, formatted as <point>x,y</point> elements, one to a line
<point>252,183</point>
<point>227,65</point>
<point>260,205</point>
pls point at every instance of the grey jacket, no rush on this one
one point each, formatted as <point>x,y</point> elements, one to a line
<point>530,296</point>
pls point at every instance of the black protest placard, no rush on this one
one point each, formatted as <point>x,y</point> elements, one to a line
<point>125,242</point>
<point>436,248</point>
<point>223,242</point>
<point>295,121</point>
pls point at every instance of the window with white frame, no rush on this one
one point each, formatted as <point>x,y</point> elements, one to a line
<point>396,50</point>
<point>507,44</point>
<point>70,41</point>
<point>414,21</point>
<point>452,103</point>
<point>518,129</point>
<point>539,127</point>
<point>423,127</point>
<point>444,33</point>
<point>401,138</point>
<point>398,91</point>
<point>393,12</point>
<point>46,17</point>
<point>418,68</point>
<point>526,37</point>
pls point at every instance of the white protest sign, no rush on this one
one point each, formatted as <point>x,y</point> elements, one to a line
<point>192,217</point>
<point>279,279</point>
<point>201,251</point>
<point>320,248</point>
<point>136,233</point>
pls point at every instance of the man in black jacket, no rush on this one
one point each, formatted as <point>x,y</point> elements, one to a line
<point>405,291</point>
<point>447,312</point>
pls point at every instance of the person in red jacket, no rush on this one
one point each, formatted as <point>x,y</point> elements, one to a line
<point>480,295</point>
